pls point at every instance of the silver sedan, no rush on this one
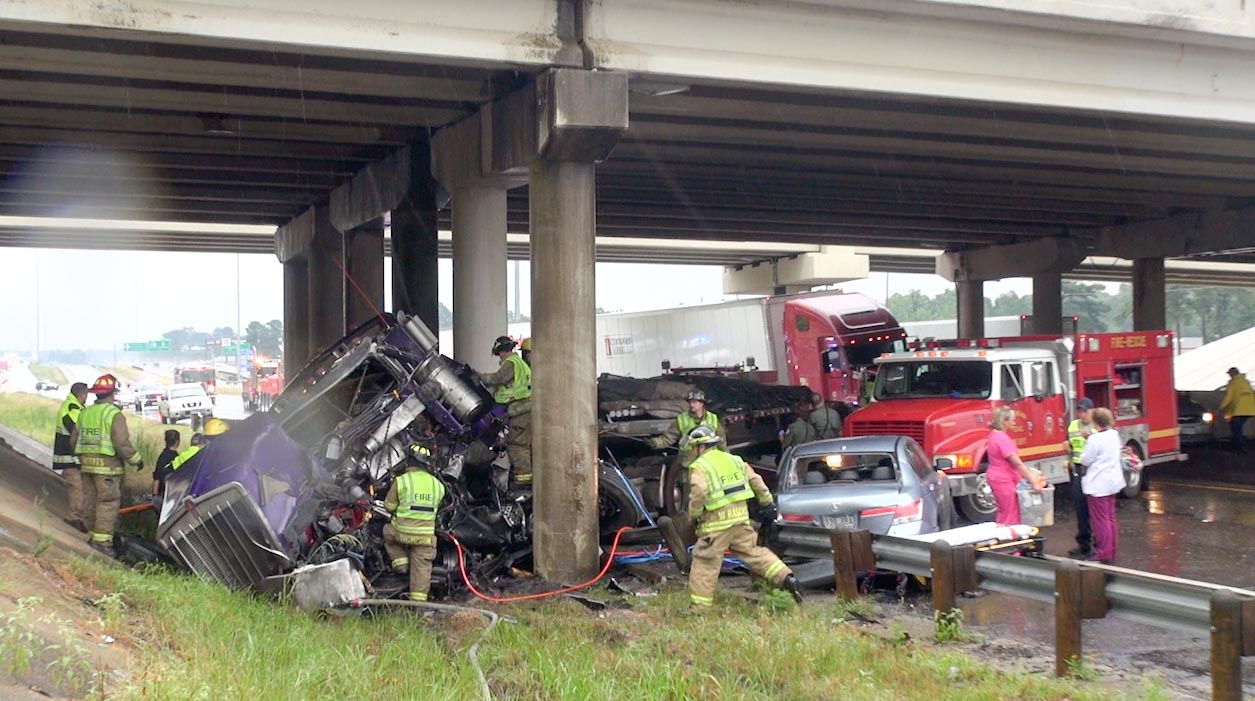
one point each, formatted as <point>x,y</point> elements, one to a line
<point>884,484</point>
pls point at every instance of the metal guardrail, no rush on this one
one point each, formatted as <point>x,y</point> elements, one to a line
<point>1077,590</point>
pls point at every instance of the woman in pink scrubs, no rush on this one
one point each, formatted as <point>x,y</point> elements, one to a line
<point>1005,467</point>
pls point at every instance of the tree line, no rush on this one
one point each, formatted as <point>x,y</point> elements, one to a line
<point>1206,312</point>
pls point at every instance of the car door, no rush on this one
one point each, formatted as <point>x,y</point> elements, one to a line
<point>934,488</point>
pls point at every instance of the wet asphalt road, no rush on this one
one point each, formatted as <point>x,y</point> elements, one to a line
<point>1196,521</point>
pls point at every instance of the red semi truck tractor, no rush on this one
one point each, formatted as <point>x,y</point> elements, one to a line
<point>944,395</point>
<point>820,340</point>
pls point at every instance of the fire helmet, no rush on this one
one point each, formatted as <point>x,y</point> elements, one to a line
<point>104,384</point>
<point>420,454</point>
<point>503,343</point>
<point>702,435</point>
<point>526,345</point>
<point>696,396</point>
<point>216,427</point>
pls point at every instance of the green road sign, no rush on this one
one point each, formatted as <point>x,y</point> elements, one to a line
<point>158,345</point>
<point>141,346</point>
<point>228,350</point>
<point>245,346</point>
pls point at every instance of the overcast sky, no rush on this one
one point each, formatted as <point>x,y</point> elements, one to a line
<point>96,299</point>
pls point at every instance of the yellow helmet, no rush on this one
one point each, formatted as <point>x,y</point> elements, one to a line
<point>526,344</point>
<point>216,427</point>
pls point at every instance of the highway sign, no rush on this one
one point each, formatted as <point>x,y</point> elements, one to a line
<point>163,345</point>
<point>141,346</point>
<point>228,350</point>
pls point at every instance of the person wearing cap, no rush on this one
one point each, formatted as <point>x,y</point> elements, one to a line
<point>1237,406</point>
<point>695,416</point>
<point>800,431</point>
<point>721,487</point>
<point>414,501</point>
<point>64,462</point>
<point>103,445</point>
<point>1078,431</point>
<point>512,386</point>
<point>824,419</point>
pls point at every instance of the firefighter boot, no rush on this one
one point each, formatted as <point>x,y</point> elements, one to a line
<point>790,585</point>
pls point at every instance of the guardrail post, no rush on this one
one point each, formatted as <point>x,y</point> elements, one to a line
<point>851,554</point>
<point>1227,645</point>
<point>1068,603</point>
<point>953,572</point>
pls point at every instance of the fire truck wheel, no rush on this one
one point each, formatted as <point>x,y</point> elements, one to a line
<point>1134,481</point>
<point>979,507</point>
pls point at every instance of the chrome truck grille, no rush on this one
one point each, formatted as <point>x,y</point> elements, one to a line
<point>223,536</point>
<point>914,429</point>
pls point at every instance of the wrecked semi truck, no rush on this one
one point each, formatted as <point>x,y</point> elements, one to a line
<point>943,396</point>
<point>302,484</point>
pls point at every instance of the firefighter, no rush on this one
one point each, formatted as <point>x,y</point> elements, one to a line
<point>525,350</point>
<point>103,446</point>
<point>1078,431</point>
<point>410,539</point>
<point>512,386</point>
<point>721,486</point>
<point>213,428</point>
<point>800,431</point>
<point>1238,406</point>
<point>64,461</point>
<point>686,422</point>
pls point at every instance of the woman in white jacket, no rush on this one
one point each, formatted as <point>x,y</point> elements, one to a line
<point>1103,480</point>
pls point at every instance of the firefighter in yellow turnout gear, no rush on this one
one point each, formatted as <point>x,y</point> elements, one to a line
<point>414,501</point>
<point>512,386</point>
<point>103,446</point>
<point>721,486</point>
<point>64,461</point>
<point>697,415</point>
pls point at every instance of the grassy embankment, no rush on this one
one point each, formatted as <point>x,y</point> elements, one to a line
<point>50,373</point>
<point>129,375</point>
<point>36,416</point>
<point>198,640</point>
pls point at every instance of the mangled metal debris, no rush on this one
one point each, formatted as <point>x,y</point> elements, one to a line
<point>301,485</point>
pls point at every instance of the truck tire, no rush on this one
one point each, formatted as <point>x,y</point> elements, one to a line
<point>979,507</point>
<point>675,499</point>
<point>1133,481</point>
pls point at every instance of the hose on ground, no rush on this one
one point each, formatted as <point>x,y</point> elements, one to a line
<point>474,651</point>
<point>614,547</point>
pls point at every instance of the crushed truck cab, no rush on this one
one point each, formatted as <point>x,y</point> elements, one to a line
<point>944,395</point>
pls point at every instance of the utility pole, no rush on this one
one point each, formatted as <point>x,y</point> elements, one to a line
<point>238,373</point>
<point>37,318</point>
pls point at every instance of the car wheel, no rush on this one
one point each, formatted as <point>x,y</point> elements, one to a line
<point>1134,480</point>
<point>980,506</point>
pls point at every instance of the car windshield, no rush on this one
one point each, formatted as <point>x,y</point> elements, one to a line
<point>186,392</point>
<point>844,467</point>
<point>954,379</point>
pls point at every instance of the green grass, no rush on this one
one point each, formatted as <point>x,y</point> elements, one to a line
<point>129,375</point>
<point>35,416</point>
<point>201,641</point>
<point>50,373</point>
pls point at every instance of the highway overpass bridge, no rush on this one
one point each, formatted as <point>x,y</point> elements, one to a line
<point>1020,137</point>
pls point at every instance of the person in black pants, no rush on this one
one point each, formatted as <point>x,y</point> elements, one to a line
<point>1078,431</point>
<point>162,471</point>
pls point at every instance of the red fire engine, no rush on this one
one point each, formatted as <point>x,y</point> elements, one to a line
<point>943,397</point>
<point>263,384</point>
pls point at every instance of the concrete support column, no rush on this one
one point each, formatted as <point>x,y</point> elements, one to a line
<point>295,316</point>
<point>327,294</point>
<point>1048,303</point>
<point>971,311</point>
<point>415,246</point>
<point>479,274</point>
<point>564,400</point>
<point>365,266</point>
<point>1149,289</point>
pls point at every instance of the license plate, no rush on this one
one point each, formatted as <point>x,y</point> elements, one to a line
<point>844,521</point>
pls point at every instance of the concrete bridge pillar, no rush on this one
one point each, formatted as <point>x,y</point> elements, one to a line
<point>327,291</point>
<point>564,124</point>
<point>295,316</point>
<point>1149,295</point>
<point>415,244</point>
<point>971,308</point>
<point>462,163</point>
<point>364,246</point>
<point>1048,303</point>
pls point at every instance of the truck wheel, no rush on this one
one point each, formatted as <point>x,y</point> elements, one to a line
<point>675,499</point>
<point>1133,481</point>
<point>979,507</point>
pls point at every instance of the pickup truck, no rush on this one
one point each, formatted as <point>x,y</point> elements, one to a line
<point>186,400</point>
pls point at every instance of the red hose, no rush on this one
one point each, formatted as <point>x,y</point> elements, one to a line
<point>614,547</point>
